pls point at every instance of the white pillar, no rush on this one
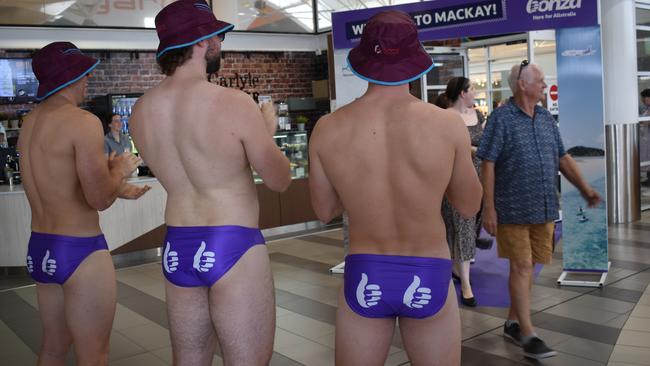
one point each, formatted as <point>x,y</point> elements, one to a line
<point>621,96</point>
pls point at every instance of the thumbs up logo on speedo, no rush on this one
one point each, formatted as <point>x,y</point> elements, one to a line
<point>203,259</point>
<point>48,265</point>
<point>416,296</point>
<point>367,295</point>
<point>170,259</point>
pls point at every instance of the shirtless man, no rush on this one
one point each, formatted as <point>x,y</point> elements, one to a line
<point>67,179</point>
<point>388,159</point>
<point>201,140</point>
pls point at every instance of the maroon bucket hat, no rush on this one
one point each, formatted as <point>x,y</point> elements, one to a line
<point>58,65</point>
<point>186,22</point>
<point>390,52</point>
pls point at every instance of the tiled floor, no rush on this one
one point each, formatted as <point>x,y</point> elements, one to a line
<point>583,324</point>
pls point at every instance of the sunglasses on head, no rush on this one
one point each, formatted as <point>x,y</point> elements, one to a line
<point>523,64</point>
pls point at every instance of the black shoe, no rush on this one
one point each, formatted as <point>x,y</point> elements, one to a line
<point>537,349</point>
<point>513,332</point>
<point>471,301</point>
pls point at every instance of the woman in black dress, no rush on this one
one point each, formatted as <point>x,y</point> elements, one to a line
<point>461,232</point>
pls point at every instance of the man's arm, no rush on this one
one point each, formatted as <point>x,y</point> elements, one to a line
<point>571,172</point>
<point>464,189</point>
<point>130,191</point>
<point>262,152</point>
<point>99,180</point>
<point>489,213</point>
<point>324,199</point>
<point>489,150</point>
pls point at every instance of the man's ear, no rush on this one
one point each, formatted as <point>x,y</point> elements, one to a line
<point>202,44</point>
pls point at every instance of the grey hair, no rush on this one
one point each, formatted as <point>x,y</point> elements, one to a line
<point>514,72</point>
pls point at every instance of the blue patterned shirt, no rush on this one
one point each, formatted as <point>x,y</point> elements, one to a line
<point>526,153</point>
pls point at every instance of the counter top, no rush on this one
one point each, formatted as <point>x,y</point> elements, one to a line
<point>121,223</point>
<point>18,188</point>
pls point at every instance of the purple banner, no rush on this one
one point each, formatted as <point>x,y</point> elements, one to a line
<point>444,19</point>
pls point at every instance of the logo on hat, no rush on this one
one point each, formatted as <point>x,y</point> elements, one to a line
<point>71,51</point>
<point>386,51</point>
<point>202,6</point>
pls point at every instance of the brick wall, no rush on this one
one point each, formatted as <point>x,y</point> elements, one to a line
<point>279,74</point>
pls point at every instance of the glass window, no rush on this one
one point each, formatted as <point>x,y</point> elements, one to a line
<point>644,106</point>
<point>499,97</point>
<point>643,62</point>
<point>432,95</point>
<point>642,16</point>
<point>499,79</point>
<point>445,67</point>
<point>644,158</point>
<point>86,13</point>
<point>290,16</point>
<point>643,50</point>
<point>480,101</point>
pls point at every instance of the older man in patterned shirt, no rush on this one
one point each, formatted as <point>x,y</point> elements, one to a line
<point>522,152</point>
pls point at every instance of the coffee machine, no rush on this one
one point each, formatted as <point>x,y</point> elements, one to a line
<point>9,166</point>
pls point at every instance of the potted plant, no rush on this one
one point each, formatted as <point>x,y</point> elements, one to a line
<point>301,121</point>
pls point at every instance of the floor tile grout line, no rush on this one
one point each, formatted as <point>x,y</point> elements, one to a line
<point>304,234</point>
<point>562,302</point>
<point>17,288</point>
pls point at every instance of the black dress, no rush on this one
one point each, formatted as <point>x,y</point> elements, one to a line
<point>461,232</point>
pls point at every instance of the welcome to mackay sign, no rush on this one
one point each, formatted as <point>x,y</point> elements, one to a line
<point>443,19</point>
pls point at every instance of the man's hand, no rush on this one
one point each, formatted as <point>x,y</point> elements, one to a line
<point>591,196</point>
<point>125,163</point>
<point>489,217</point>
<point>131,191</point>
<point>270,117</point>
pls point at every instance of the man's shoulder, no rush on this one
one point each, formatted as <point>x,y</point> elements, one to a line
<point>544,113</point>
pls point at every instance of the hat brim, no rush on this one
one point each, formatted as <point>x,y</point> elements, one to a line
<point>223,28</point>
<point>44,90</point>
<point>389,74</point>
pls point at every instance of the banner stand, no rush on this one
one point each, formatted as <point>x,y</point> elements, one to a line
<point>562,281</point>
<point>338,269</point>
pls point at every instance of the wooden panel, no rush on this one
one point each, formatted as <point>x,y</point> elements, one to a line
<point>295,203</point>
<point>269,207</point>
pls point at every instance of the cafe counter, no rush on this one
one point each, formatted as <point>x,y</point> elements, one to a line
<point>132,225</point>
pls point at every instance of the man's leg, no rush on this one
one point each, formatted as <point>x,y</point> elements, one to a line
<point>521,272</point>
<point>190,328</point>
<point>434,340</point>
<point>56,337</point>
<point>242,306</point>
<point>360,340</point>
<point>90,308</point>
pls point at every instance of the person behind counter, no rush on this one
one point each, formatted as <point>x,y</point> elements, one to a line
<point>115,141</point>
<point>201,140</point>
<point>3,137</point>
<point>67,255</point>
<point>388,158</point>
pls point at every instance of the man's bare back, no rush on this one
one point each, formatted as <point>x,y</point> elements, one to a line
<point>56,155</point>
<point>193,134</point>
<point>406,153</point>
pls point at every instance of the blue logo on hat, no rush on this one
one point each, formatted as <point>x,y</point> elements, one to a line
<point>203,7</point>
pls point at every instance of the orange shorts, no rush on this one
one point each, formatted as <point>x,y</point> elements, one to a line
<point>526,241</point>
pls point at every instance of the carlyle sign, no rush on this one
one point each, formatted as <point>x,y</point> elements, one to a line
<point>243,82</point>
